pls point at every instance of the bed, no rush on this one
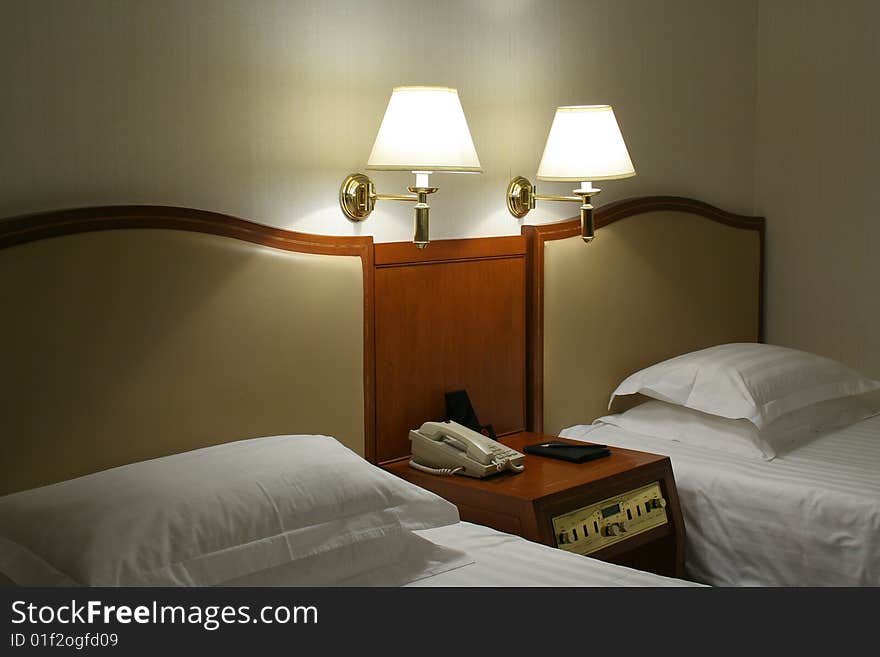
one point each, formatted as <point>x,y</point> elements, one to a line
<point>189,400</point>
<point>668,277</point>
<point>809,517</point>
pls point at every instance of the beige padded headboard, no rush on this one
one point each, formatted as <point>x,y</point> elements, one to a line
<point>122,345</point>
<point>664,276</point>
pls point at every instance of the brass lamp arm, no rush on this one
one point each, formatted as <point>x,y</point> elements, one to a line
<point>521,197</point>
<point>357,198</point>
<point>572,199</point>
<point>395,197</point>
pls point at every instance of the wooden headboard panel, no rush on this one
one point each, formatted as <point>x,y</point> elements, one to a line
<point>449,317</point>
<point>664,276</point>
<point>139,331</point>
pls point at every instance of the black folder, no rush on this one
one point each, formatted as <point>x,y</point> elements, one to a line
<point>567,451</point>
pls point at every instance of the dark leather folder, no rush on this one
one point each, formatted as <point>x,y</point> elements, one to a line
<point>568,451</point>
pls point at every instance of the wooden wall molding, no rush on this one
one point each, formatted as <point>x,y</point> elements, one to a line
<point>537,235</point>
<point>42,225</point>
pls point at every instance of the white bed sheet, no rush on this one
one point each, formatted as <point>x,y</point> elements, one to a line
<point>810,517</point>
<point>485,557</point>
<point>501,559</point>
<point>468,555</point>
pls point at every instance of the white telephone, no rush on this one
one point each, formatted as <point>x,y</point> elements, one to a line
<point>447,448</point>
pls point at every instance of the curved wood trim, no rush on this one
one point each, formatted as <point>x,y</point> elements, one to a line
<point>608,214</point>
<point>628,207</point>
<point>605,215</point>
<point>27,228</point>
<point>43,225</point>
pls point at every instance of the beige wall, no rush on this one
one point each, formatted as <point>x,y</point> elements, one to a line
<point>259,108</point>
<point>816,176</point>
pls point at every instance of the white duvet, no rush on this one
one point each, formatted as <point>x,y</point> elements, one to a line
<point>810,517</point>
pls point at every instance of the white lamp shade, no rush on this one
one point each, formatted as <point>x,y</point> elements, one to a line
<point>424,129</point>
<point>585,144</point>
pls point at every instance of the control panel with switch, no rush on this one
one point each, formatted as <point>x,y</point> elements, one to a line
<point>610,521</point>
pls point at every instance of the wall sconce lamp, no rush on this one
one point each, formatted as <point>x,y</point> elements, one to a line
<point>584,144</point>
<point>424,130</point>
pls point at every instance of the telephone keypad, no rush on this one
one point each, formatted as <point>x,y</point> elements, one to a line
<point>502,451</point>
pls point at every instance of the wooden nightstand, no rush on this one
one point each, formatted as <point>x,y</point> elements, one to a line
<point>602,508</point>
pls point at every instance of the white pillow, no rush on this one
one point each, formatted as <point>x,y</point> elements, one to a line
<point>756,382</point>
<point>671,422</point>
<point>212,515</point>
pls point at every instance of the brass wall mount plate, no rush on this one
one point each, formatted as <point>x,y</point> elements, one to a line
<point>357,198</point>
<point>520,197</point>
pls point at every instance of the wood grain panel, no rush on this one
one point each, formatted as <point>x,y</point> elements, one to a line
<point>456,323</point>
<point>399,253</point>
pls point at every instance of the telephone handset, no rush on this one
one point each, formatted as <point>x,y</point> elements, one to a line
<point>447,448</point>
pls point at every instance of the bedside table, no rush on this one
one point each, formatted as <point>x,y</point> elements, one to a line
<point>621,508</point>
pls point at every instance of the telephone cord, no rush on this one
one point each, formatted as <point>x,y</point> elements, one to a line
<point>508,465</point>
<point>443,472</point>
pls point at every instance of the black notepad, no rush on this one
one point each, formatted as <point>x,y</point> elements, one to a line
<point>568,451</point>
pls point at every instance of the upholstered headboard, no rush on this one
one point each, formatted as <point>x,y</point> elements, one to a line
<point>135,332</point>
<point>664,276</point>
